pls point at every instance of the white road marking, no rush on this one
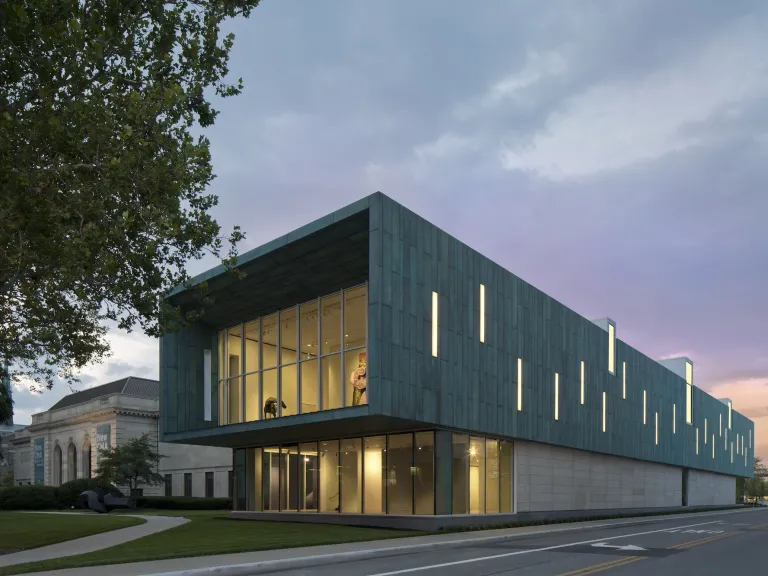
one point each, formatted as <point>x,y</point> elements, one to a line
<point>531,551</point>
<point>625,547</point>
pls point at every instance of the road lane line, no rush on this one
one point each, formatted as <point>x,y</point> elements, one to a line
<point>531,551</point>
<point>623,563</point>
<point>689,542</point>
<point>600,567</point>
<point>707,540</point>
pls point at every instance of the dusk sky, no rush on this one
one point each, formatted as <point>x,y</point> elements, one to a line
<point>613,154</point>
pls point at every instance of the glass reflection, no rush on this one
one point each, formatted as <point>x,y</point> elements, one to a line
<point>288,390</point>
<point>330,324</point>
<point>375,459</point>
<point>233,409</point>
<point>330,466</point>
<point>424,473</point>
<point>269,394</point>
<point>399,478</point>
<point>252,346</point>
<point>289,478</point>
<point>234,364</point>
<point>251,397</point>
<point>309,479</point>
<point>288,336</point>
<point>476,475</point>
<point>351,475</point>
<point>269,341</point>
<point>355,309</point>
<point>308,330</point>
<point>460,473</point>
<point>331,381</point>
<point>309,386</point>
<point>270,477</point>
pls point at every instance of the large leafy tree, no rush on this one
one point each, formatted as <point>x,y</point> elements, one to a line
<point>132,464</point>
<point>6,406</point>
<point>103,180</point>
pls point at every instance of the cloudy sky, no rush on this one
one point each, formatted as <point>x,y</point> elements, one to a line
<point>613,154</point>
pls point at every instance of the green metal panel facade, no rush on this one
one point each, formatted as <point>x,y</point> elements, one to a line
<point>472,386</point>
<point>182,380</point>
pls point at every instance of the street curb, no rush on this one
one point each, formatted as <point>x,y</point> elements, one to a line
<point>285,564</point>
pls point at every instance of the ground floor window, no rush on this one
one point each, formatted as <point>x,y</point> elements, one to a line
<point>384,474</point>
<point>209,484</point>
<point>187,484</point>
<point>373,475</point>
<point>481,470</point>
<point>168,481</point>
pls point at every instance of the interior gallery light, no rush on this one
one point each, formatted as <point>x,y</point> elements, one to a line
<point>434,324</point>
<point>482,313</point>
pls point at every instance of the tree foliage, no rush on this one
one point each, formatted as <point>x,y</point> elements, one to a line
<point>6,404</point>
<point>132,464</point>
<point>756,486</point>
<point>104,184</point>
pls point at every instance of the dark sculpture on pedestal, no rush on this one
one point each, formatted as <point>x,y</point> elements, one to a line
<point>101,502</point>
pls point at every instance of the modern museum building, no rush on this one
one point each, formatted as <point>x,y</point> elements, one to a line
<point>370,364</point>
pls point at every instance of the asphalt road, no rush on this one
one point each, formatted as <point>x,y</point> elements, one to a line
<point>723,544</point>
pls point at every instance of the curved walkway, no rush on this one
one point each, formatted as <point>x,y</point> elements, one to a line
<point>93,543</point>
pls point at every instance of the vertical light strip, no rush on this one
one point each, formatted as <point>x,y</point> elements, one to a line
<point>582,383</point>
<point>557,396</point>
<point>519,384</point>
<point>657,428</point>
<point>697,441</point>
<point>207,384</point>
<point>624,380</point>
<point>434,324</point>
<point>674,418</point>
<point>645,411</point>
<point>604,410</point>
<point>730,420</point>
<point>482,312</point>
<point>721,425</point>
<point>731,452</point>
<point>705,431</point>
<point>611,348</point>
<point>750,439</point>
<point>713,446</point>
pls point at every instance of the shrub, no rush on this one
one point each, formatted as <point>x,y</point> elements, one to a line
<point>69,491</point>
<point>183,503</point>
<point>29,498</point>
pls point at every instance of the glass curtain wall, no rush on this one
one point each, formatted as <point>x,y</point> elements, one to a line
<point>393,474</point>
<point>373,475</point>
<point>482,471</point>
<point>302,359</point>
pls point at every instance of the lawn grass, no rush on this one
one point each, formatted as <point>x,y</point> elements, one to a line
<point>22,531</point>
<point>212,532</point>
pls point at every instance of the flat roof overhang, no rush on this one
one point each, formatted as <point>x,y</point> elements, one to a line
<point>325,425</point>
<point>317,259</point>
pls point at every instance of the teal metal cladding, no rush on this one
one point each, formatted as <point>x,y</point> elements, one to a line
<point>473,386</point>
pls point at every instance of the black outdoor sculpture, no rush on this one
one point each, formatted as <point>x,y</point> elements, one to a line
<point>270,407</point>
<point>101,502</point>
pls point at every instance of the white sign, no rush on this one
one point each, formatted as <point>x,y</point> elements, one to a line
<point>629,547</point>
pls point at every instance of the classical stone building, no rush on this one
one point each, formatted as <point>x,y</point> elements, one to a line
<point>63,443</point>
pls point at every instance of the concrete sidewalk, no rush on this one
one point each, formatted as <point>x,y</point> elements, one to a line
<point>245,561</point>
<point>93,543</point>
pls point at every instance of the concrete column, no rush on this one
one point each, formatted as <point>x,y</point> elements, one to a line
<point>443,454</point>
